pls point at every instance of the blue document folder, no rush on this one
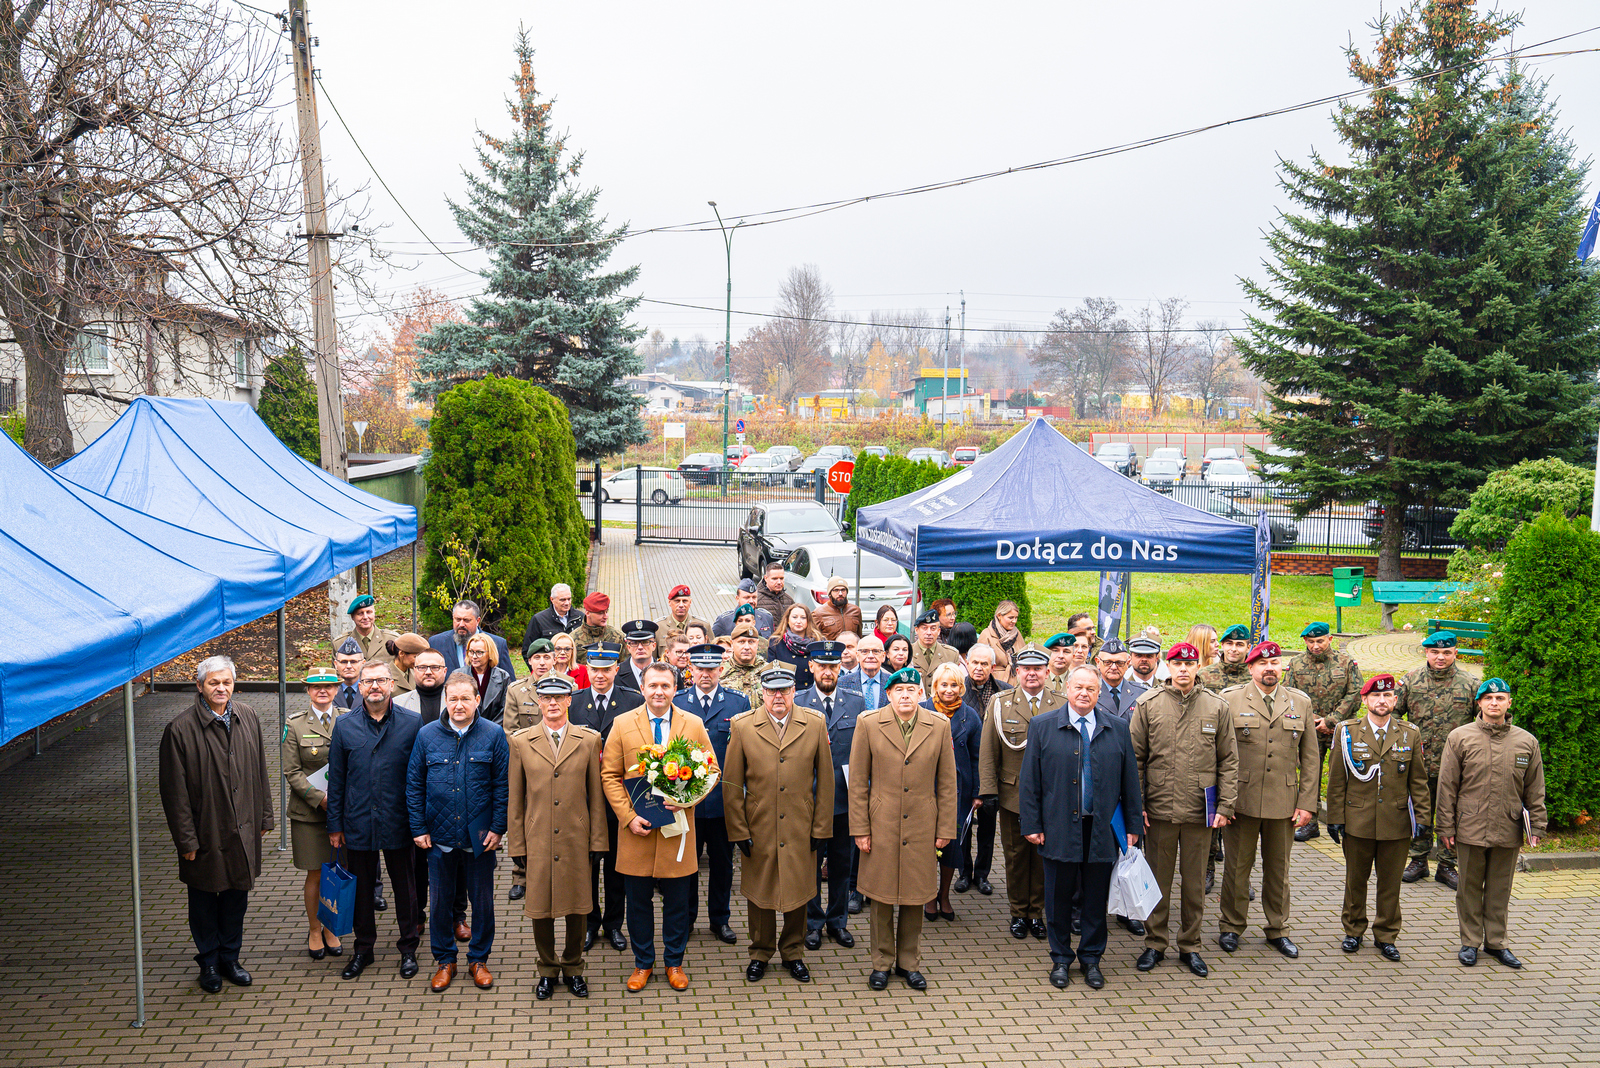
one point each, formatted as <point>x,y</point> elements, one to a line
<point>646,805</point>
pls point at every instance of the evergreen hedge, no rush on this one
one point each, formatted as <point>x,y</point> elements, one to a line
<point>1546,635</point>
<point>501,478</point>
<point>288,404</point>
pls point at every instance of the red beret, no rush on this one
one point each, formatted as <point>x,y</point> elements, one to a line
<point>1183,651</point>
<point>597,602</point>
<point>1263,649</point>
<point>678,591</point>
<point>1378,684</point>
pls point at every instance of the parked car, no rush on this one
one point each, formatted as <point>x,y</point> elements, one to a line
<point>938,457</point>
<point>1170,453</point>
<point>880,451</point>
<point>812,468</point>
<point>1120,457</point>
<point>1162,473</point>
<point>790,455</point>
<point>838,452</point>
<point>774,528</point>
<point>1426,527</point>
<point>1232,473</point>
<point>1273,465</point>
<point>659,485</point>
<point>1284,533</point>
<point>701,468</point>
<point>966,456</point>
<point>808,569</point>
<point>762,469</point>
<point>1213,455</point>
<point>737,453</point>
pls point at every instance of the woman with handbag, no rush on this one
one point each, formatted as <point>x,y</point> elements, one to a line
<point>303,752</point>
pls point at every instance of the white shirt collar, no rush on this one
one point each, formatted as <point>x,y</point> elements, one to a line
<point>1375,727</point>
<point>1072,713</point>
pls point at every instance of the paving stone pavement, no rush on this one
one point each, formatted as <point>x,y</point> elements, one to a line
<point>1399,653</point>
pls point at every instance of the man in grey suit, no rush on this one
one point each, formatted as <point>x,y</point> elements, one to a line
<point>1118,688</point>
<point>452,644</point>
<point>839,708</point>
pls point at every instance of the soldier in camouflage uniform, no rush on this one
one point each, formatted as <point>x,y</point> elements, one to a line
<point>596,607</point>
<point>1230,670</point>
<point>1437,698</point>
<point>1334,682</point>
<point>743,674</point>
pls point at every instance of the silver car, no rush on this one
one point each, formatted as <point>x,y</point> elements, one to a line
<point>809,568</point>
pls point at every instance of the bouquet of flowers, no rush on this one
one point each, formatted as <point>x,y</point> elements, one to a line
<point>681,772</point>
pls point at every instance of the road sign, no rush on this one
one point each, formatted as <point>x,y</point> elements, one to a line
<point>839,476</point>
<point>673,430</point>
<point>738,426</point>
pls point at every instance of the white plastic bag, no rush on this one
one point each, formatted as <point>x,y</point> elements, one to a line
<point>1133,887</point>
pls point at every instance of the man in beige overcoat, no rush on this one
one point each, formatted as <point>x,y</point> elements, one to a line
<point>902,812</point>
<point>556,819</point>
<point>778,762</point>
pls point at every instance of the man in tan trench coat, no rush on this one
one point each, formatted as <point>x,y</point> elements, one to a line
<point>902,812</point>
<point>556,818</point>
<point>778,764</point>
<point>646,858</point>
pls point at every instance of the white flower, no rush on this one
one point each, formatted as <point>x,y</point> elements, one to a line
<point>1408,626</point>
<point>656,766</point>
<point>1499,574</point>
<point>697,755</point>
<point>1487,566</point>
<point>700,773</point>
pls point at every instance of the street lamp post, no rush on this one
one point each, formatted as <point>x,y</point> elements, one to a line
<point>727,344</point>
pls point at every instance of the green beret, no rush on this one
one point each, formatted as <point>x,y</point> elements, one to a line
<point>1060,640</point>
<point>1238,632</point>
<point>1492,686</point>
<point>1439,639</point>
<point>540,645</point>
<point>364,601</point>
<point>744,610</point>
<point>906,676</point>
<point>1316,630</point>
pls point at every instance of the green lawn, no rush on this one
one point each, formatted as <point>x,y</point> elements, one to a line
<point>1176,602</point>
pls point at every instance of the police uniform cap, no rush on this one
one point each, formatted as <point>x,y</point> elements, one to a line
<point>603,653</point>
<point>1494,685</point>
<point>555,684</point>
<point>349,647</point>
<point>825,652</point>
<point>1316,630</point>
<point>706,656</point>
<point>777,677</point>
<point>747,585</point>
<point>1439,639</point>
<point>1060,640</point>
<point>1113,647</point>
<point>322,676</point>
<point>1143,646</point>
<point>364,601</point>
<point>930,616</point>
<point>1382,683</point>
<point>906,676</point>
<point>1236,633</point>
<point>1263,651</point>
<point>639,630</point>
<point>1031,654</point>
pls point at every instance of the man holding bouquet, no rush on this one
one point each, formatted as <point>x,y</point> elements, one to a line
<point>779,765</point>
<point>646,856</point>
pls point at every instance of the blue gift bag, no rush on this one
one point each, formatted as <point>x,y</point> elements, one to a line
<point>336,899</point>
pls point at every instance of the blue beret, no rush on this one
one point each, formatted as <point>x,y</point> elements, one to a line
<point>1237,632</point>
<point>1492,686</point>
<point>1439,639</point>
<point>1316,630</point>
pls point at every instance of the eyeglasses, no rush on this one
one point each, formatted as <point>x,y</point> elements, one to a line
<point>374,682</point>
<point>428,669</point>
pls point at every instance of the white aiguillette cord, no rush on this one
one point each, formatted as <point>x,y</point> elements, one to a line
<point>1376,767</point>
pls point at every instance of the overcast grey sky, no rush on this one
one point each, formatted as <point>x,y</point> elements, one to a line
<point>764,106</point>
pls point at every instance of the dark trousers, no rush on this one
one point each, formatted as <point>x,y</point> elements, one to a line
<point>447,873</point>
<point>840,870</point>
<point>711,838</point>
<point>403,897</point>
<point>616,889</point>
<point>677,916</point>
<point>216,922</point>
<point>1089,883</point>
<point>982,830</point>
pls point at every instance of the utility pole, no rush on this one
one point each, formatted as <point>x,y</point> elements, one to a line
<point>963,357</point>
<point>319,257</point>
<point>944,405</point>
<point>727,346</point>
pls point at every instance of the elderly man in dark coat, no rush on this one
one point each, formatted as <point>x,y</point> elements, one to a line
<point>218,804</point>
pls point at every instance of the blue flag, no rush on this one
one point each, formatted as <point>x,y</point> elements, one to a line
<point>1590,229</point>
<point>1261,581</point>
<point>1113,586</point>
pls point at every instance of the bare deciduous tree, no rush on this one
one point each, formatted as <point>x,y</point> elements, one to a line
<point>1084,353</point>
<point>1212,372</point>
<point>1158,352</point>
<point>788,356</point>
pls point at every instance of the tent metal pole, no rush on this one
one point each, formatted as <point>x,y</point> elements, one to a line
<point>283,719</point>
<point>133,853</point>
<point>1127,609</point>
<point>414,585</point>
<point>369,579</point>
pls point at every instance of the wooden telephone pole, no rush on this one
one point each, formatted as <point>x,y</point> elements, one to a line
<point>319,256</point>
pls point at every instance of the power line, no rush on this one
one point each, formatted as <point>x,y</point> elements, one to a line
<point>930,325</point>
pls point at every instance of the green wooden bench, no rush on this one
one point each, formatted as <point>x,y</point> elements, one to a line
<point>1472,639</point>
<point>1392,594</point>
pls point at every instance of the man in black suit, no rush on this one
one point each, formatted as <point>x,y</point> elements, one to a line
<point>559,618</point>
<point>1118,688</point>
<point>716,705</point>
<point>1078,768</point>
<point>452,643</point>
<point>640,634</point>
<point>839,708</point>
<point>983,684</point>
<point>598,707</point>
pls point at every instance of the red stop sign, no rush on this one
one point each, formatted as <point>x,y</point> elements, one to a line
<point>839,476</point>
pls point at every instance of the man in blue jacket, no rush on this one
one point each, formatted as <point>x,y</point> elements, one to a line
<point>368,757</point>
<point>1079,766</point>
<point>716,705</point>
<point>839,708</point>
<point>457,789</point>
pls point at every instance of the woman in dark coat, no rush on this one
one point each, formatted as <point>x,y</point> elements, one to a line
<point>492,680</point>
<point>948,686</point>
<point>789,642</point>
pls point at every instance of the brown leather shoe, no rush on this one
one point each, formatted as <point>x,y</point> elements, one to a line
<point>637,980</point>
<point>442,977</point>
<point>677,979</point>
<point>480,974</point>
<point>463,933</point>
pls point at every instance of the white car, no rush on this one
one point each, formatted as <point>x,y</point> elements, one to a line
<point>1212,456</point>
<point>1170,453</point>
<point>763,469</point>
<point>838,452</point>
<point>1229,473</point>
<point>789,454</point>
<point>661,485</point>
<point>808,569</point>
<point>1161,473</point>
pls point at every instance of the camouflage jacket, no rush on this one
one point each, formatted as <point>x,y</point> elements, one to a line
<point>1220,676</point>
<point>586,636</point>
<point>745,680</point>
<point>1333,683</point>
<point>1438,703</point>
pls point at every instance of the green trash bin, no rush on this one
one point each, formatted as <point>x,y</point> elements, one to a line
<point>1347,583</point>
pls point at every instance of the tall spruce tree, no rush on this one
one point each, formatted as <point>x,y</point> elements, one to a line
<point>288,404</point>
<point>551,314</point>
<point>1425,320</point>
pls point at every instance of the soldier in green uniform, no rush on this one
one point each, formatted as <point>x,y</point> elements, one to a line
<point>743,674</point>
<point>927,651</point>
<point>1333,681</point>
<point>596,607</point>
<point>1062,662</point>
<point>372,638</point>
<point>303,751</point>
<point>1437,697</point>
<point>1234,645</point>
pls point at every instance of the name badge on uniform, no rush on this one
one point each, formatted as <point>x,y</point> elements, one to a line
<point>1013,721</point>
<point>1208,728</point>
<point>1522,760</point>
<point>1243,714</point>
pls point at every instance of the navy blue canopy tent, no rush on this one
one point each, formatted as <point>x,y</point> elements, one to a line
<point>1040,503</point>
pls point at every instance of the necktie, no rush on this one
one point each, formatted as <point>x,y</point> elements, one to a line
<point>1268,698</point>
<point>827,707</point>
<point>1116,698</point>
<point>351,698</point>
<point>326,719</point>
<point>555,742</point>
<point>656,723</point>
<point>1088,768</point>
<point>1379,736</point>
<point>600,707</point>
<point>705,706</point>
<point>1033,706</point>
<point>872,693</point>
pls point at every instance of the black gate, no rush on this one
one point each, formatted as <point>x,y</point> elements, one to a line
<point>675,511</point>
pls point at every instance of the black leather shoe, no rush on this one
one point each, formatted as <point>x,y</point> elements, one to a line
<point>408,967</point>
<point>1149,959</point>
<point>588,940</point>
<point>210,981</point>
<point>578,986</point>
<point>1019,927</point>
<point>618,940</point>
<point>961,885</point>
<point>1308,832</point>
<point>1037,928</point>
<point>546,987</point>
<point>316,954</point>
<point>1504,956</point>
<point>813,938</point>
<point>1351,943</point>
<point>914,980</point>
<point>1389,950</point>
<point>1092,976</point>
<point>757,969</point>
<point>358,964</point>
<point>517,894</point>
<point>1417,869</point>
<point>1060,977</point>
<point>1284,946</point>
<point>854,906</point>
<point>1211,879</point>
<point>230,970</point>
<point>1133,926</point>
<point>1228,941</point>
<point>842,936</point>
<point>379,903</point>
<point>1194,963</point>
<point>985,887</point>
<point>1468,955</point>
<point>1447,876</point>
<point>798,969</point>
<point>878,980</point>
<point>724,932</point>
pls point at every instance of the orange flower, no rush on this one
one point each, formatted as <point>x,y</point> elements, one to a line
<point>686,773</point>
<point>671,769</point>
